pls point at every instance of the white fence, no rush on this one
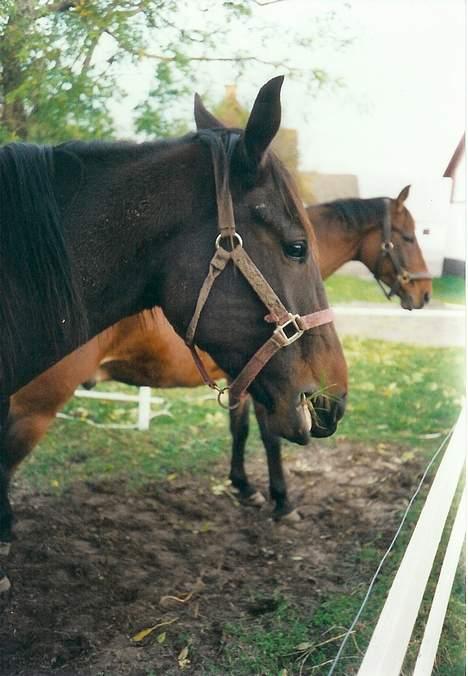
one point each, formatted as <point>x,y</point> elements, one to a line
<point>390,640</point>
<point>143,398</point>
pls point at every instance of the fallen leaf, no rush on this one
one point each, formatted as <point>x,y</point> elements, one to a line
<point>303,646</point>
<point>139,636</point>
<point>161,637</point>
<point>183,659</point>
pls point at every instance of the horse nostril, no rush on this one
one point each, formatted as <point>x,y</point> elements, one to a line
<point>427,297</point>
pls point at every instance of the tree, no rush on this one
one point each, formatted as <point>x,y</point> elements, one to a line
<point>61,60</point>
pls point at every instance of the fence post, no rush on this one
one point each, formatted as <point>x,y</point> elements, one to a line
<point>435,620</point>
<point>389,642</point>
<point>144,408</point>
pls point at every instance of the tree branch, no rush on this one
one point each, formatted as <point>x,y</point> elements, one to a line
<point>89,55</point>
<point>267,2</point>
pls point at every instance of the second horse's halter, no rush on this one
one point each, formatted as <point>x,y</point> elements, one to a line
<point>289,327</point>
<point>387,248</point>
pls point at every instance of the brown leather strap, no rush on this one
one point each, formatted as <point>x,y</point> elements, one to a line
<point>251,370</point>
<point>217,265</point>
<point>257,281</point>
<point>403,276</point>
<point>226,222</point>
<point>253,367</point>
<point>314,319</point>
<point>207,379</point>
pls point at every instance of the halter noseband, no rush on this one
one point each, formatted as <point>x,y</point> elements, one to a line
<point>387,248</point>
<point>289,327</point>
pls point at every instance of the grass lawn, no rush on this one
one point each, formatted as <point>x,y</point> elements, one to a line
<point>345,289</point>
<point>398,394</point>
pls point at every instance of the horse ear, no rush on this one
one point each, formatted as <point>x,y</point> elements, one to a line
<point>264,121</point>
<point>203,118</point>
<point>402,197</point>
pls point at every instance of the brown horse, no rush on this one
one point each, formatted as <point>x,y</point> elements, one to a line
<point>145,350</point>
<point>139,225</point>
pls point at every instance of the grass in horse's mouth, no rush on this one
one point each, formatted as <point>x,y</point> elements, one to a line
<point>317,401</point>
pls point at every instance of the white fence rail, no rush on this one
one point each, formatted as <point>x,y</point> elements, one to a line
<point>143,398</point>
<point>389,642</point>
<point>427,313</point>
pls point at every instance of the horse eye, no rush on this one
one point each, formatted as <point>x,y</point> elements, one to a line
<point>295,249</point>
<point>407,238</point>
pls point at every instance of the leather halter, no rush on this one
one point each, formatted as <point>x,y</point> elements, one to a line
<point>289,327</point>
<point>387,248</point>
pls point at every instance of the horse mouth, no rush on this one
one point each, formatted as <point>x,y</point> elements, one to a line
<point>320,414</point>
<point>406,302</point>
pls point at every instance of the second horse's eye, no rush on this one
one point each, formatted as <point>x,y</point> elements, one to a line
<point>295,249</point>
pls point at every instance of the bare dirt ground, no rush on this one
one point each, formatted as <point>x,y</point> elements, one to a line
<point>94,566</point>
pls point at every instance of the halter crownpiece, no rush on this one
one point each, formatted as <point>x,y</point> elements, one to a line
<point>387,248</point>
<point>289,327</point>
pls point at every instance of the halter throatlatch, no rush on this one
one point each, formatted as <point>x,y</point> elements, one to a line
<point>387,248</point>
<point>289,327</point>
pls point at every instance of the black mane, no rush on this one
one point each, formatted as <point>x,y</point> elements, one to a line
<point>34,262</point>
<point>357,213</point>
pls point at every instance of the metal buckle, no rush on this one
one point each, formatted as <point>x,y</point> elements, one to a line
<point>386,246</point>
<point>279,334</point>
<point>235,236</point>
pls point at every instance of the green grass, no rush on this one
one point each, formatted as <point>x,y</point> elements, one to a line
<point>398,394</point>
<point>449,289</point>
<point>347,289</point>
<point>401,393</point>
<point>288,640</point>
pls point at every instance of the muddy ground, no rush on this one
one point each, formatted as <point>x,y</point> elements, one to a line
<point>94,566</point>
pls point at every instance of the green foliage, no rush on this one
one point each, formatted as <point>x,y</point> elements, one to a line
<point>61,61</point>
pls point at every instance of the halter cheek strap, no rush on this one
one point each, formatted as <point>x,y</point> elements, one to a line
<point>289,327</point>
<point>387,248</point>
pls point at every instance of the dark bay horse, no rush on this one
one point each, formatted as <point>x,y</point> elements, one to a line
<point>93,232</point>
<point>149,352</point>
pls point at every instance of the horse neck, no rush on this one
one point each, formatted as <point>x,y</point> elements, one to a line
<point>340,232</point>
<point>135,196</point>
<point>336,244</point>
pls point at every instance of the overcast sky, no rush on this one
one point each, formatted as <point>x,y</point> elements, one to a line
<point>402,110</point>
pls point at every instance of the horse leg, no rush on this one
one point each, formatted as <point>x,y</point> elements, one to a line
<point>5,507</point>
<point>21,434</point>
<point>239,424</point>
<point>278,487</point>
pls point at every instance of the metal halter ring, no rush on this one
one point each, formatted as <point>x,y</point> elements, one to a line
<point>233,236</point>
<point>386,246</point>
<point>227,407</point>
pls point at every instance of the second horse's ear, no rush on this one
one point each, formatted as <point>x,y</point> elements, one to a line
<point>203,118</point>
<point>402,197</point>
<point>264,121</point>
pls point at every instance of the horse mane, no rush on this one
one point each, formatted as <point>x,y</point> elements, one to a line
<point>34,261</point>
<point>356,214</point>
